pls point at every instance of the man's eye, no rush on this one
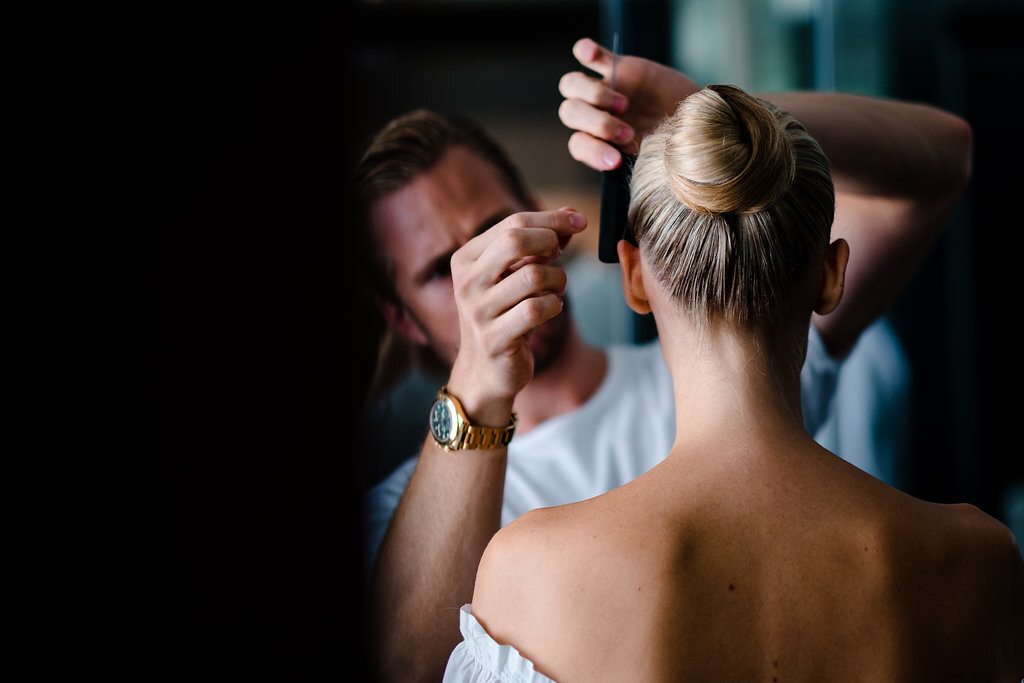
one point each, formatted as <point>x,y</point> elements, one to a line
<point>441,271</point>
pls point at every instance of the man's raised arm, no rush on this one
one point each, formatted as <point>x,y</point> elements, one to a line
<point>426,566</point>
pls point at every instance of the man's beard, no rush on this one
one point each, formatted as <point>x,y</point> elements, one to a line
<point>548,341</point>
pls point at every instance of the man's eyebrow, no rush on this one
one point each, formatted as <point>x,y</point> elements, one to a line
<point>442,261</point>
<point>493,220</point>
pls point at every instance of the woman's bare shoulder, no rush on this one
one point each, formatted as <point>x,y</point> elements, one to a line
<point>965,529</point>
<point>982,564</point>
<point>518,568</point>
<point>523,586</point>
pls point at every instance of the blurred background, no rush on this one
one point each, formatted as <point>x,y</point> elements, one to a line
<point>500,62</point>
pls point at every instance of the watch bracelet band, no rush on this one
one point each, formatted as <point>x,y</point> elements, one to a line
<point>488,437</point>
<point>473,437</point>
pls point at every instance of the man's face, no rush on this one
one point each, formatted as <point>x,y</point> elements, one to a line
<point>423,224</point>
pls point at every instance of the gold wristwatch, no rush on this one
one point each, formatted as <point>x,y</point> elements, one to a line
<point>452,431</point>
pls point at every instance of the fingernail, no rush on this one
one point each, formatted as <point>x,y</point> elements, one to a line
<point>611,158</point>
<point>624,134</point>
<point>577,220</point>
<point>618,104</point>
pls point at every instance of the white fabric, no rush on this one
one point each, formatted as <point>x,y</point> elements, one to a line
<point>480,659</point>
<point>818,379</point>
<point>623,430</point>
<point>868,424</point>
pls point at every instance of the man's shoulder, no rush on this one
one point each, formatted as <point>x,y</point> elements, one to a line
<point>383,497</point>
<point>638,362</point>
<point>640,352</point>
<point>394,483</point>
<point>380,503</point>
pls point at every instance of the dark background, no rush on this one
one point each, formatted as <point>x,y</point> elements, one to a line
<point>182,359</point>
<point>185,503</point>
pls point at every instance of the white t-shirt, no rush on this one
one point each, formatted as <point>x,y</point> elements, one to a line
<point>623,430</point>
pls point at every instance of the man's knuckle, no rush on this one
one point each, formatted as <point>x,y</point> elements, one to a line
<point>516,221</point>
<point>533,276</point>
<point>533,308</point>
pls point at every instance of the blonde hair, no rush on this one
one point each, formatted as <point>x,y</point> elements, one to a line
<point>731,199</point>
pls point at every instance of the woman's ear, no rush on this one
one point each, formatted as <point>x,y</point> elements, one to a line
<point>402,321</point>
<point>632,277</point>
<point>837,256</point>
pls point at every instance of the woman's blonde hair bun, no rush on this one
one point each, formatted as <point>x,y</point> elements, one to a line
<point>731,200</point>
<point>725,152</point>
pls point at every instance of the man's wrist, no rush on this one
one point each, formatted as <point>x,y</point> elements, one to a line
<point>454,430</point>
<point>481,406</point>
<point>492,412</point>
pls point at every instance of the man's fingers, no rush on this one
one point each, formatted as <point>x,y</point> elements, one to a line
<point>564,222</point>
<point>524,237</point>
<point>499,308</point>
<point>520,239</point>
<point>528,314</point>
<point>534,279</point>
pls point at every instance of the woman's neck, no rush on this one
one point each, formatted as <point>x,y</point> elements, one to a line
<point>729,382</point>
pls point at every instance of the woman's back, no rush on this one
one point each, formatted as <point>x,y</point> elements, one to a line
<point>756,567</point>
<point>750,552</point>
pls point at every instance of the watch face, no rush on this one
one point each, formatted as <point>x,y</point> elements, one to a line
<point>442,424</point>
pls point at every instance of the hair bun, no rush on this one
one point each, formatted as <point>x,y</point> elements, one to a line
<point>726,153</point>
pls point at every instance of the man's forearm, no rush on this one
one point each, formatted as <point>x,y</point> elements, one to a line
<point>426,567</point>
<point>886,148</point>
